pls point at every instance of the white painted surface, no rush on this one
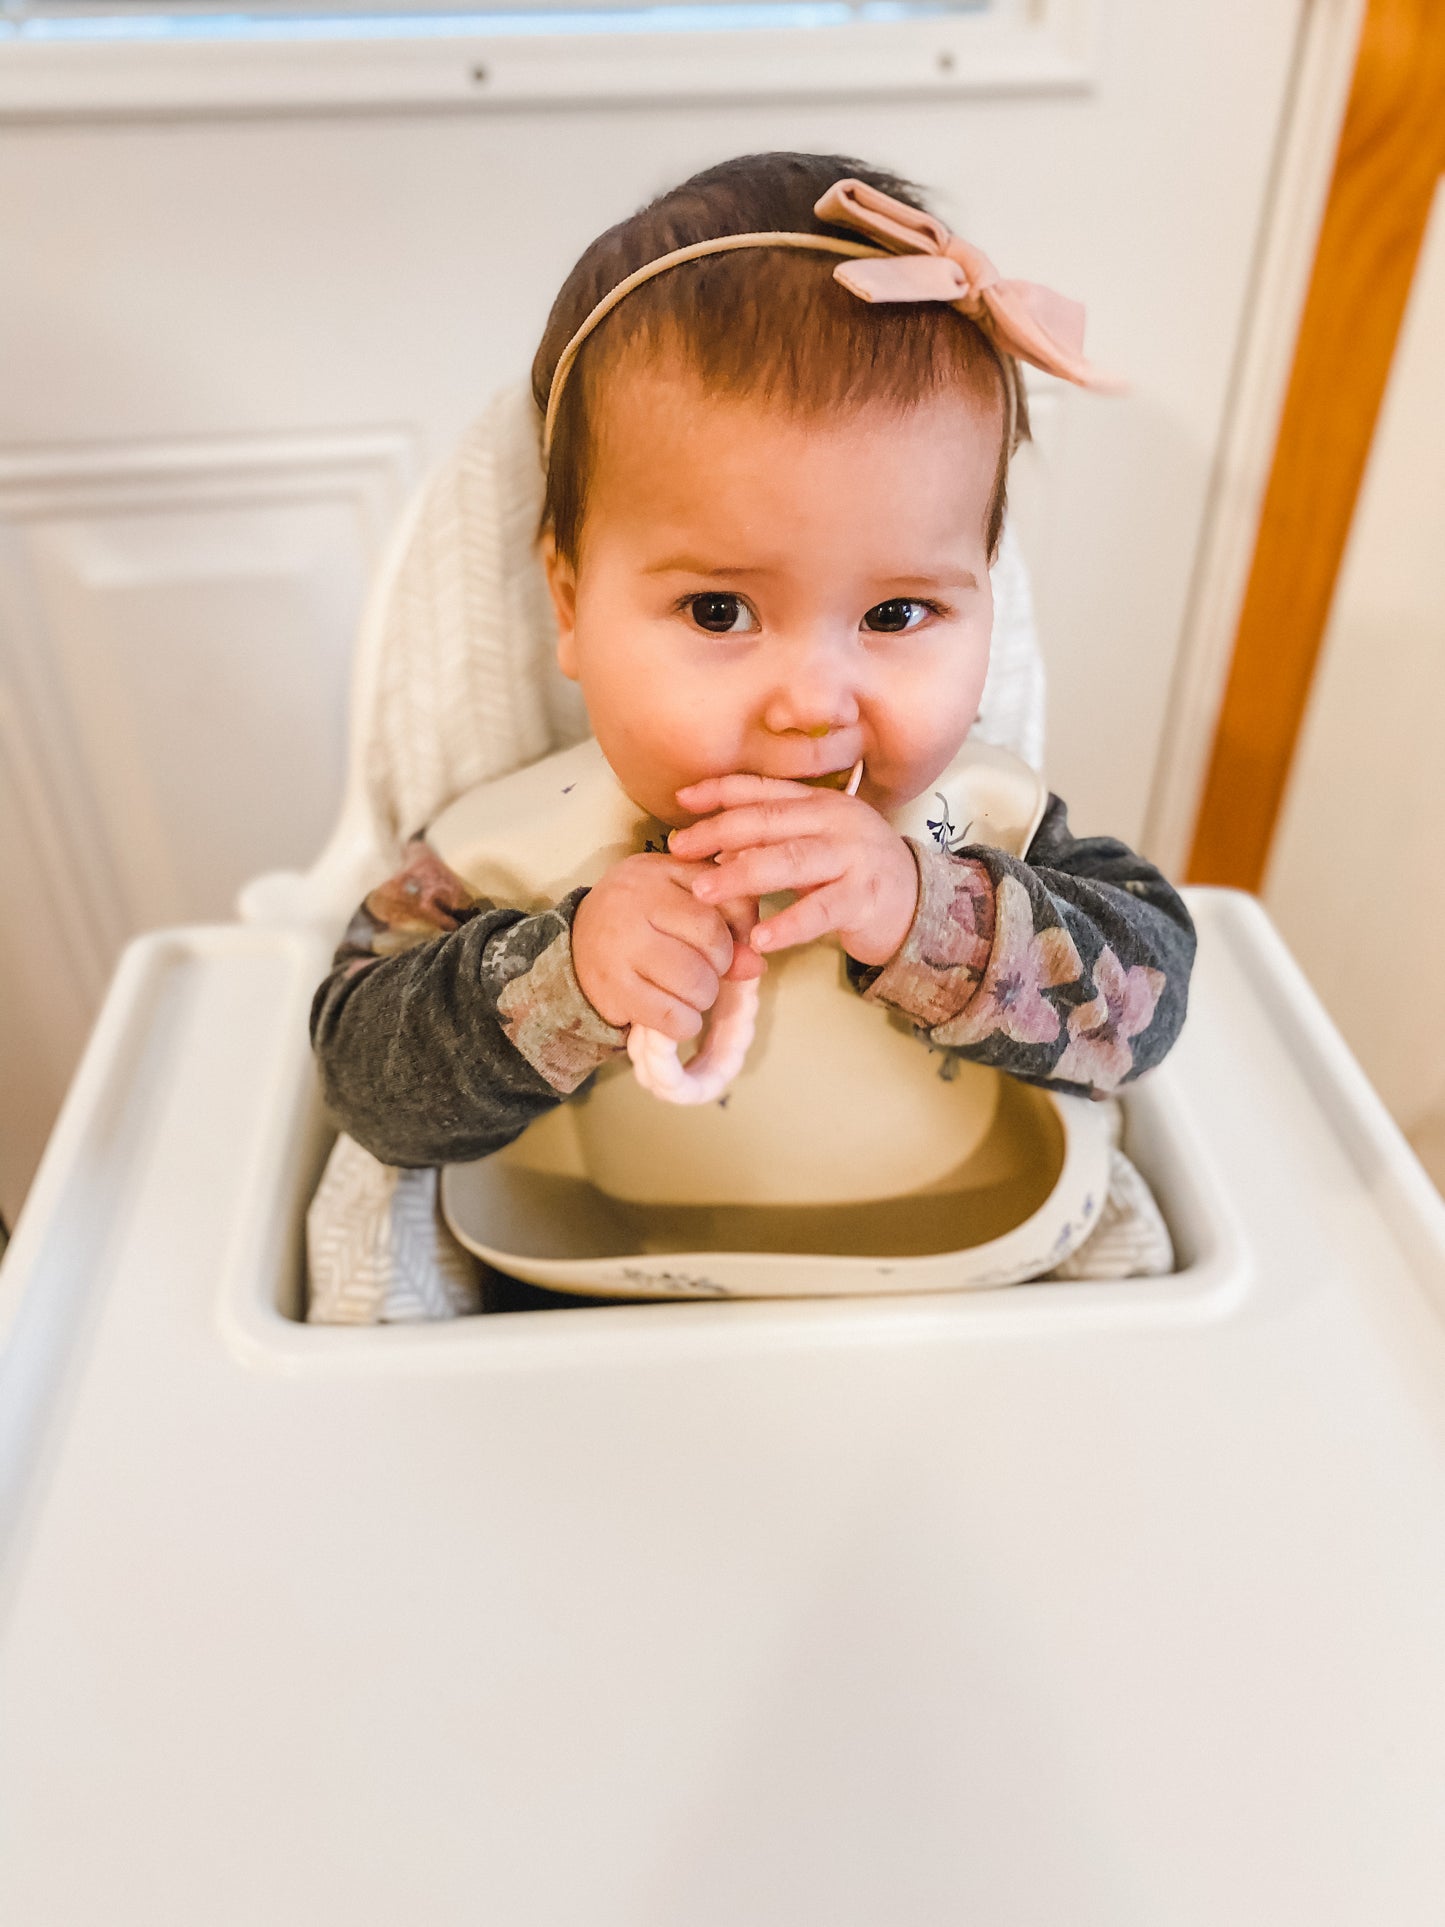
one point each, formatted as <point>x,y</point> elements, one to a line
<point>1108,1605</point>
<point>330,283</point>
<point>1355,878</point>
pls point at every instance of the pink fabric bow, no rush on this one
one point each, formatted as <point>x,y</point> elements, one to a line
<point>1020,317</point>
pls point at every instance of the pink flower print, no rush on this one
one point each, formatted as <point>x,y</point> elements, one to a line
<point>1097,1052</point>
<point>1022,965</point>
<point>959,933</point>
<point>423,900</point>
<point>544,1013</point>
<point>971,910</point>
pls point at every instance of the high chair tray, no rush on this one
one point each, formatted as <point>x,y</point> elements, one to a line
<point>1107,1605</point>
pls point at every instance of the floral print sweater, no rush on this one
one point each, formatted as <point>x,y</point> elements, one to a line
<point>447,1022</point>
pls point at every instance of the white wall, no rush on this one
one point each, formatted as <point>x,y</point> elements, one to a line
<point>227,347</point>
<point>1357,874</point>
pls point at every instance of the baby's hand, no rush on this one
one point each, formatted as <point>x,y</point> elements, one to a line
<point>853,874</point>
<point>647,951</point>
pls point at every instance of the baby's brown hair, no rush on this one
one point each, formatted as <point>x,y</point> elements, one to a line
<point>757,322</point>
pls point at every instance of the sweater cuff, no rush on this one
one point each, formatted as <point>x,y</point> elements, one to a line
<point>549,1020</point>
<point>939,965</point>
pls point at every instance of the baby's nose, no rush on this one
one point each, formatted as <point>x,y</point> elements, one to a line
<point>813,695</point>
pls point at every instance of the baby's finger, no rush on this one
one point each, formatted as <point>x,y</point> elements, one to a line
<point>742,915</point>
<point>658,1011</point>
<point>699,925</point>
<point>741,827</point>
<point>726,792</point>
<point>810,917</point>
<point>801,864</point>
<point>674,966</point>
<point>681,869</point>
<point>745,966</point>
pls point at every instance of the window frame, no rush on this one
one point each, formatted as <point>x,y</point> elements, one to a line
<point>145,60</point>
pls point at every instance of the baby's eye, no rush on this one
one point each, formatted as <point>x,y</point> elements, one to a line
<point>902,612</point>
<point>721,615</point>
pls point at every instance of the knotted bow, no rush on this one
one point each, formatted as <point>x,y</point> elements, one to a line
<point>927,263</point>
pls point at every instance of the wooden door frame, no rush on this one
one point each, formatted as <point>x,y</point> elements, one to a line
<point>1390,156</point>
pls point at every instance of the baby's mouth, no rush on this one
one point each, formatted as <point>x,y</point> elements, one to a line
<point>836,779</point>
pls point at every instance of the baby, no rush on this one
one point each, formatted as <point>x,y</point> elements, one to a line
<point>773,495</point>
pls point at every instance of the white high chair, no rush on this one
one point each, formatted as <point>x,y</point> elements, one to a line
<point>1071,1603</point>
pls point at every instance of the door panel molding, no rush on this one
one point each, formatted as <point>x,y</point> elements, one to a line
<point>128,575</point>
<point>176,621</point>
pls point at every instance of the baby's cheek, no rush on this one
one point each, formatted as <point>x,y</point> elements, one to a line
<point>956,717</point>
<point>922,755</point>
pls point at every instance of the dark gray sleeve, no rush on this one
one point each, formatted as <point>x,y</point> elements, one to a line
<point>447,1023</point>
<point>1069,966</point>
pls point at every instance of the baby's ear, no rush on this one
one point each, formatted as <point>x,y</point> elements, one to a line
<point>562,587</point>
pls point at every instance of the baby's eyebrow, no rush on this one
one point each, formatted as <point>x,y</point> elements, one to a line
<point>689,565</point>
<point>912,579</point>
<point>926,579</point>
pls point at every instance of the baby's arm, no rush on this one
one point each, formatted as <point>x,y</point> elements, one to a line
<point>1069,967</point>
<point>447,1023</point>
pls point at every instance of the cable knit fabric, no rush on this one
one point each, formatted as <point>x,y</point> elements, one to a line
<point>465,686</point>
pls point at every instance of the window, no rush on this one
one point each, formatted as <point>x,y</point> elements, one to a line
<point>212,55</point>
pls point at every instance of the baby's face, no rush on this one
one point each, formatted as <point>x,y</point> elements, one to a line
<point>777,596</point>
